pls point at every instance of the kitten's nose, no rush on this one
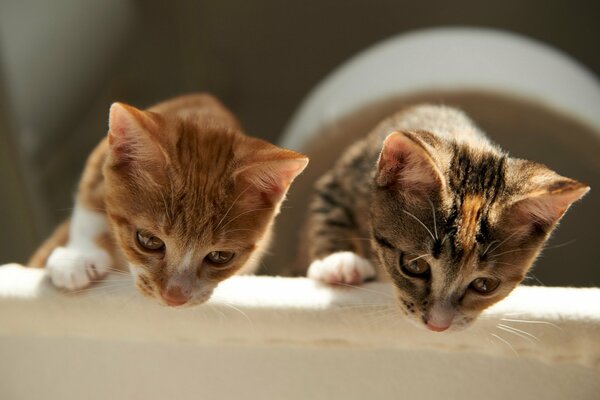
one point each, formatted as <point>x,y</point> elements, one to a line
<point>440,316</point>
<point>174,296</point>
<point>436,328</point>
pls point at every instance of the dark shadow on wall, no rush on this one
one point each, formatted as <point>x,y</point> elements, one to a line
<point>261,58</point>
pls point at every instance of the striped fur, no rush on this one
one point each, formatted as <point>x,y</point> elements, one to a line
<point>184,172</point>
<point>427,185</point>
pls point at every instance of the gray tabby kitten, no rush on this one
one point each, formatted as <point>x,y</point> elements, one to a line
<point>452,220</point>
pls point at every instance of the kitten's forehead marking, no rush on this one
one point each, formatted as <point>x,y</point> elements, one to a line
<point>471,210</point>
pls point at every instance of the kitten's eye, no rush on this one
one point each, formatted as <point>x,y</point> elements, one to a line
<point>220,257</point>
<point>485,285</point>
<point>415,267</point>
<point>148,241</point>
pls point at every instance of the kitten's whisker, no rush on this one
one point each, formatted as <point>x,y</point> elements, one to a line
<point>531,276</point>
<point>172,190</point>
<point>238,310</point>
<point>419,257</point>
<point>443,240</point>
<point>231,206</point>
<point>525,335</point>
<point>100,288</point>
<point>369,305</point>
<point>534,248</point>
<point>387,311</point>
<point>215,309</point>
<point>243,213</point>
<point>488,247</point>
<point>382,311</point>
<point>237,230</point>
<point>525,321</point>
<point>531,248</point>
<point>557,246</point>
<point>167,210</point>
<point>422,224</point>
<point>383,317</point>
<point>505,342</point>
<point>117,271</point>
<point>505,263</point>
<point>232,241</point>
<point>112,280</point>
<point>434,220</point>
<point>109,291</point>
<point>504,241</point>
<point>494,256</point>
<point>515,314</point>
<point>95,286</point>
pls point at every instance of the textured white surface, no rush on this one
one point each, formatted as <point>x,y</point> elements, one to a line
<point>257,328</point>
<point>257,310</point>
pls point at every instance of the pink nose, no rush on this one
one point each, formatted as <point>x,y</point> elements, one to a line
<point>174,296</point>
<point>436,328</point>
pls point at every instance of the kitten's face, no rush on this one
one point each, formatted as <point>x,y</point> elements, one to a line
<point>457,234</point>
<point>190,203</point>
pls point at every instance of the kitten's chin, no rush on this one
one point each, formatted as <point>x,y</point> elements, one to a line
<point>196,300</point>
<point>146,290</point>
<point>456,326</point>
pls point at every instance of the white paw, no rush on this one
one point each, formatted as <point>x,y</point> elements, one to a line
<point>74,269</point>
<point>343,267</point>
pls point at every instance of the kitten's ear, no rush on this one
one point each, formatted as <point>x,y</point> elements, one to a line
<point>269,171</point>
<point>545,202</point>
<point>405,163</point>
<point>132,135</point>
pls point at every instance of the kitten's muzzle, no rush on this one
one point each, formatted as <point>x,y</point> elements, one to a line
<point>440,316</point>
<point>174,296</point>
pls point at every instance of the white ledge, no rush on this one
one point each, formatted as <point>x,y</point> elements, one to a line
<point>559,324</point>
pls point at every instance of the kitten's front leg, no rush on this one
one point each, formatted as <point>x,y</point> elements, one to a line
<point>82,260</point>
<point>333,238</point>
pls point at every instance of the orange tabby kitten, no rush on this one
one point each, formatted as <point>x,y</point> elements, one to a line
<point>179,195</point>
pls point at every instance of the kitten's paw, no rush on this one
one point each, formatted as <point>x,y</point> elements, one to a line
<point>75,269</point>
<point>342,267</point>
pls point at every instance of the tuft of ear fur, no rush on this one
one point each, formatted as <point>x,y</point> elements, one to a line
<point>405,163</point>
<point>545,204</point>
<point>132,135</point>
<point>270,170</point>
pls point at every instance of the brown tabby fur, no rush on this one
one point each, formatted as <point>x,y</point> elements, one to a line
<point>184,171</point>
<point>428,184</point>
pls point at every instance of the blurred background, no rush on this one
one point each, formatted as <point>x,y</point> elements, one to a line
<point>62,63</point>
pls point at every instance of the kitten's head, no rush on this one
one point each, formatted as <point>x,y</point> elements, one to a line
<point>457,227</point>
<point>191,201</point>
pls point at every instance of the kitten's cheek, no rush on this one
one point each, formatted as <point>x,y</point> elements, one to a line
<point>200,299</point>
<point>135,270</point>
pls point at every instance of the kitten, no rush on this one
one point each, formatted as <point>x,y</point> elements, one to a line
<point>179,195</point>
<point>452,220</point>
